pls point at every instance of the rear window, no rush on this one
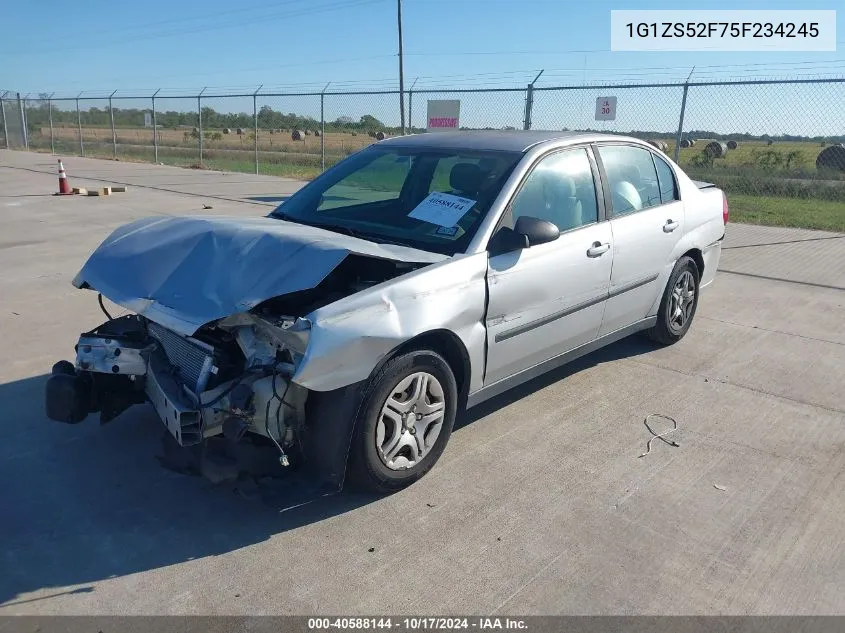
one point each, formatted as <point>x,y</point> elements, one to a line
<point>666,180</point>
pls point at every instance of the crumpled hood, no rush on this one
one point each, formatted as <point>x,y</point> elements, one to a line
<point>184,272</point>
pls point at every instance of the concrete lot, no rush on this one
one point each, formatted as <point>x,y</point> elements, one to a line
<point>540,504</point>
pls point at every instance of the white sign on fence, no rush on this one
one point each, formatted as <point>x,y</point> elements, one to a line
<point>606,109</point>
<point>443,115</point>
<point>148,119</point>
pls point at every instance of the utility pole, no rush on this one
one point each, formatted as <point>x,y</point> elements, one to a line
<point>401,68</point>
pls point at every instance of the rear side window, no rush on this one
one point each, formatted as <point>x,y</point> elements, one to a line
<point>631,177</point>
<point>666,180</point>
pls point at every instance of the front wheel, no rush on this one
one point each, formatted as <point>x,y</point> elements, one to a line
<point>677,307</point>
<point>406,418</point>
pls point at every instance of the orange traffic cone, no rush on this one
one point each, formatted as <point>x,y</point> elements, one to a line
<point>64,185</point>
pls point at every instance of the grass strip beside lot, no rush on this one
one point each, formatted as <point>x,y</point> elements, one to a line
<point>808,213</point>
<point>824,215</point>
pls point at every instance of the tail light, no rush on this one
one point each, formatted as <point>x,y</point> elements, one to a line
<point>725,210</point>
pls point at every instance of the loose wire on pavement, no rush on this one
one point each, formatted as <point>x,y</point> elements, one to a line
<point>661,435</point>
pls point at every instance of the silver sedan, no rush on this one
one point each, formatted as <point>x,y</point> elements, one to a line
<point>418,277</point>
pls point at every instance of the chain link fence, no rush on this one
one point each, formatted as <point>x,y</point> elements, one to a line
<point>776,147</point>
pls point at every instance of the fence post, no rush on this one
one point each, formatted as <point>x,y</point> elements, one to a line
<point>681,124</point>
<point>681,117</point>
<point>155,128</point>
<point>79,126</point>
<point>3,114</point>
<point>23,122</point>
<point>199,121</point>
<point>529,103</point>
<point>255,118</point>
<point>411,106</point>
<point>529,98</point>
<point>25,127</point>
<point>52,135</point>
<point>323,128</point>
<point>113,133</point>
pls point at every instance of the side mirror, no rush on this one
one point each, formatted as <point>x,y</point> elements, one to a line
<point>527,232</point>
<point>535,230</point>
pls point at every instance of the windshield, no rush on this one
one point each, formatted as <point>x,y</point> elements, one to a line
<point>427,198</point>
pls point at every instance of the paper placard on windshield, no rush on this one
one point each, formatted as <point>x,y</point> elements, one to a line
<point>442,209</point>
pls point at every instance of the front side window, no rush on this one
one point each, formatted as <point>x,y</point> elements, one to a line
<point>631,177</point>
<point>385,194</point>
<point>560,190</point>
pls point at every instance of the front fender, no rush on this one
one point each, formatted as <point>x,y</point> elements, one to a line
<point>349,337</point>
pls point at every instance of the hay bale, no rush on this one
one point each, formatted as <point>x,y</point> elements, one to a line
<point>240,130</point>
<point>732,145</point>
<point>380,136</point>
<point>692,142</point>
<point>654,143</point>
<point>307,132</point>
<point>297,135</point>
<point>316,132</point>
<point>226,130</point>
<point>354,134</point>
<point>832,157</point>
<point>196,130</point>
<point>686,143</point>
<point>716,149</point>
<point>769,143</point>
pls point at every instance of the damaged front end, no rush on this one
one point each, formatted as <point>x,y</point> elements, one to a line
<point>230,380</point>
<point>214,348</point>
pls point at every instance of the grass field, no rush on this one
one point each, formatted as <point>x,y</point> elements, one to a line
<point>795,212</point>
<point>774,184</point>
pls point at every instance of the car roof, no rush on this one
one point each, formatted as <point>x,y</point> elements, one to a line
<point>495,140</point>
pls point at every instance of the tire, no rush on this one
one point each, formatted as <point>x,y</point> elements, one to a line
<point>671,324</point>
<point>378,463</point>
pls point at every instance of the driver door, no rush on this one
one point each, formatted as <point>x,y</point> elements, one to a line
<point>550,298</point>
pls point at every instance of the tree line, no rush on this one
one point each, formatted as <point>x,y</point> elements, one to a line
<point>39,116</point>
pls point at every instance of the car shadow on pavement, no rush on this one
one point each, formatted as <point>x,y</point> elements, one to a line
<point>84,503</point>
<point>635,345</point>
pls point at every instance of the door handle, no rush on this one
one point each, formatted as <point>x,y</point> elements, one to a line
<point>670,226</point>
<point>598,249</point>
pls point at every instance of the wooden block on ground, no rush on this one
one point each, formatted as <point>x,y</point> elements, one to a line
<point>104,191</point>
<point>82,191</point>
<point>120,189</point>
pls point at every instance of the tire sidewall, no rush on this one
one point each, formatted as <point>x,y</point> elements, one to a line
<point>365,455</point>
<point>684,264</point>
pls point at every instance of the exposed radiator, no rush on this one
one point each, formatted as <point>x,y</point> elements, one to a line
<point>193,359</point>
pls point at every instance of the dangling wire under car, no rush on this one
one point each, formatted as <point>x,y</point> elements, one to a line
<point>283,458</point>
<point>102,307</point>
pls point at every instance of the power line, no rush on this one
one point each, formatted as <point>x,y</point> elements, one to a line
<point>336,6</point>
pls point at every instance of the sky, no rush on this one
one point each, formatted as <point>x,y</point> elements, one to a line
<point>99,46</point>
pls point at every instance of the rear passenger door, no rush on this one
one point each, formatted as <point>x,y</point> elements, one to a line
<point>647,221</point>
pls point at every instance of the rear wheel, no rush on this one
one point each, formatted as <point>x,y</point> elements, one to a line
<point>678,305</point>
<point>404,423</point>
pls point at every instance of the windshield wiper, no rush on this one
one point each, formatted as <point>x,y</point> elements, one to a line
<point>281,215</point>
<point>339,228</point>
